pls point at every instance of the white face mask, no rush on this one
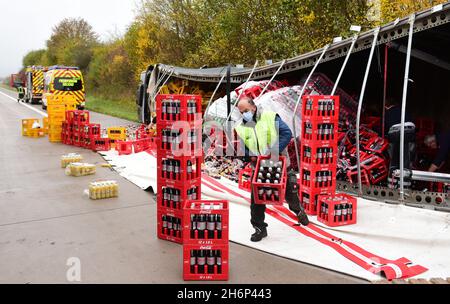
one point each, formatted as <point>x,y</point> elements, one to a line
<point>248,116</point>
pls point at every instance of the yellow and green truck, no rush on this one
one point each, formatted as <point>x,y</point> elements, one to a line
<point>64,81</point>
<point>34,80</point>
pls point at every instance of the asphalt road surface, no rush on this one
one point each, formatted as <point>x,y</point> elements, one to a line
<point>46,221</point>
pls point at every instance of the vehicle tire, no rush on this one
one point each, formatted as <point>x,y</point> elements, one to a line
<point>44,107</point>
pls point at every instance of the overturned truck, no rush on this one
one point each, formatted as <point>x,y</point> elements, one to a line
<point>404,63</point>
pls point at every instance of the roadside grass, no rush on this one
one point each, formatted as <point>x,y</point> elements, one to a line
<point>126,109</point>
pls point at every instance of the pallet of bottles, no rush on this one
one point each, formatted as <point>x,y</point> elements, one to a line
<point>70,158</point>
<point>205,222</point>
<point>178,108</point>
<point>337,210</point>
<point>205,262</point>
<point>269,181</point>
<point>100,190</point>
<point>170,225</point>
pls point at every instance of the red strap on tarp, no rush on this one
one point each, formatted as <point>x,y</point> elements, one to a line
<point>392,269</point>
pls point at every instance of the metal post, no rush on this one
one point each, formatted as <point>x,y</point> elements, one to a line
<point>412,18</point>
<point>297,154</point>
<point>383,122</point>
<point>215,92</point>
<point>344,65</point>
<point>358,117</point>
<point>229,91</point>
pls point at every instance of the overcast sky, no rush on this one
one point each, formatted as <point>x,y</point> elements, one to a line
<point>25,25</point>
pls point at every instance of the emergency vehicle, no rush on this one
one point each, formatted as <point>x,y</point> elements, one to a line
<point>34,81</point>
<point>64,81</point>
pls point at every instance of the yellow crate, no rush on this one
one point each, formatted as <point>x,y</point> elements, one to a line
<point>69,101</point>
<point>37,133</point>
<point>57,108</point>
<point>54,138</point>
<point>45,124</point>
<point>117,133</point>
<point>27,125</point>
<point>60,117</point>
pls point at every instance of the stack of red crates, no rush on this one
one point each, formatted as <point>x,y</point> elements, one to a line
<point>179,160</point>
<point>205,241</point>
<point>319,149</point>
<point>73,127</point>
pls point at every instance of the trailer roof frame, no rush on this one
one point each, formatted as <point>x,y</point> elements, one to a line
<point>394,30</point>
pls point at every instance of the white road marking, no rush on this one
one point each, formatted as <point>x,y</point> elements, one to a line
<point>24,104</point>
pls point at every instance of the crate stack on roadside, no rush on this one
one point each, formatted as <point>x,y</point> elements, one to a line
<point>56,110</point>
<point>179,160</point>
<point>74,127</point>
<point>206,241</point>
<point>319,149</point>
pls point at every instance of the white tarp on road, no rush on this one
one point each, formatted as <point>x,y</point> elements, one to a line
<point>383,233</point>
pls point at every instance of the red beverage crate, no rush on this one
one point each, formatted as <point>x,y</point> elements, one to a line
<point>201,263</point>
<point>260,190</point>
<point>101,144</point>
<point>309,198</point>
<point>170,225</point>
<point>141,145</point>
<point>245,178</point>
<point>372,122</point>
<point>173,108</point>
<point>124,147</point>
<point>92,130</point>
<point>181,137</point>
<point>142,132</point>
<point>77,117</point>
<point>320,106</point>
<point>377,145</point>
<point>319,152</point>
<point>213,223</point>
<point>318,176</point>
<point>320,129</point>
<point>78,139</point>
<point>179,169</point>
<point>174,196</point>
<point>337,210</point>
<point>376,169</point>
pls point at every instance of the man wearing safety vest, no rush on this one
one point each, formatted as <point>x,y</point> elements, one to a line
<point>21,93</point>
<point>265,133</point>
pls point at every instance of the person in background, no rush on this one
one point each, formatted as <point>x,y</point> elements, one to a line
<point>21,93</point>
<point>260,132</point>
<point>441,142</point>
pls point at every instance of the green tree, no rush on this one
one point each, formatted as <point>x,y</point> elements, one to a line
<point>71,43</point>
<point>393,9</point>
<point>38,57</point>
